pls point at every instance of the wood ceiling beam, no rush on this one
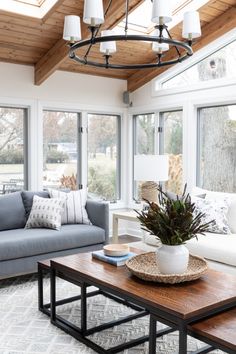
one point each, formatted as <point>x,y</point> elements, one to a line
<point>210,32</point>
<point>52,60</point>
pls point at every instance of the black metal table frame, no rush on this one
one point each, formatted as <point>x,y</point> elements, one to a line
<point>156,314</point>
<point>82,332</point>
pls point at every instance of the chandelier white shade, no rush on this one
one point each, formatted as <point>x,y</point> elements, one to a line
<point>72,30</point>
<point>161,39</point>
<point>107,47</point>
<point>191,25</point>
<point>161,11</point>
<point>93,12</point>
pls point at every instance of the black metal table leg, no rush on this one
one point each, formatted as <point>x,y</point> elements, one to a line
<point>182,338</point>
<point>84,308</point>
<point>53,294</point>
<point>40,288</point>
<point>152,335</point>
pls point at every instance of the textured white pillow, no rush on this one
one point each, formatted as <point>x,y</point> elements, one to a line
<point>231,200</point>
<point>74,208</point>
<point>45,213</point>
<point>213,210</point>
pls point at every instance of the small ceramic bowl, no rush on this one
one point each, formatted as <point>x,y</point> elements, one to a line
<point>116,250</point>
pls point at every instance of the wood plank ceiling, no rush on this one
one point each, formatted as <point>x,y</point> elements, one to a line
<point>38,42</point>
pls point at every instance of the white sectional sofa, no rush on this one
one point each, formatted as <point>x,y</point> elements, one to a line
<point>219,249</point>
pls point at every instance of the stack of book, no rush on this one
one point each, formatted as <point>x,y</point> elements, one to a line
<point>117,261</point>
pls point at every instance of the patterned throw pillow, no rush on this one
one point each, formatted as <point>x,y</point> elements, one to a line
<point>74,208</point>
<point>213,210</point>
<point>45,213</point>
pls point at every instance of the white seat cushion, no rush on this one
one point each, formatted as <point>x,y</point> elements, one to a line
<point>216,247</point>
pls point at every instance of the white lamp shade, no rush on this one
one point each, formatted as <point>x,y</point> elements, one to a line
<point>159,47</point>
<point>93,12</point>
<point>107,47</point>
<point>72,31</point>
<point>191,25</point>
<point>161,11</point>
<point>151,167</point>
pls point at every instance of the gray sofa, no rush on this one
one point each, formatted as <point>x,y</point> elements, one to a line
<point>21,248</point>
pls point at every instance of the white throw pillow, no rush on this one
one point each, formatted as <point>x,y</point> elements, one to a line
<point>231,200</point>
<point>74,207</point>
<point>213,210</point>
<point>45,213</point>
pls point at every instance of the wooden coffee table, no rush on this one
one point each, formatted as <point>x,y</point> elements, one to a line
<point>177,306</point>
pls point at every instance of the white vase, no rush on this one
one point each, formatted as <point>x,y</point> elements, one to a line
<point>172,259</point>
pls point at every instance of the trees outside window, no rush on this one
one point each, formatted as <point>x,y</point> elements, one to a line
<point>60,149</point>
<point>104,156</point>
<point>217,148</point>
<point>13,165</point>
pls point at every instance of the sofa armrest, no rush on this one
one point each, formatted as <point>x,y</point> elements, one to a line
<point>98,213</point>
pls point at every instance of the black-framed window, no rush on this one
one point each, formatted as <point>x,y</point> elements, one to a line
<point>160,134</point>
<point>216,158</point>
<point>104,156</point>
<point>171,144</point>
<point>61,149</point>
<point>13,149</point>
<point>144,142</point>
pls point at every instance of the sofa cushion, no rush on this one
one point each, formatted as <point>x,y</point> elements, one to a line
<point>28,197</point>
<point>28,242</point>
<point>215,247</point>
<point>74,207</point>
<point>46,213</point>
<point>12,211</point>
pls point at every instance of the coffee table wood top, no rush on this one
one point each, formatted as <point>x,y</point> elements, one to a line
<point>186,300</point>
<point>219,328</point>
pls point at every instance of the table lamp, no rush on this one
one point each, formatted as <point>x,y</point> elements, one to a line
<point>150,169</point>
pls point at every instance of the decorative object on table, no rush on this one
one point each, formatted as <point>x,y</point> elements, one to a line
<point>81,50</point>
<point>146,267</point>
<point>116,250</point>
<point>117,261</point>
<point>150,169</point>
<point>174,222</point>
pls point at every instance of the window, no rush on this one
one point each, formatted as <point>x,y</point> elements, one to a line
<point>216,165</point>
<point>60,149</point>
<point>160,135</point>
<point>218,65</point>
<point>171,143</point>
<point>13,149</point>
<point>144,142</point>
<point>104,156</point>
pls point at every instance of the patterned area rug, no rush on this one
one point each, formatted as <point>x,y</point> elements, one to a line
<point>23,329</point>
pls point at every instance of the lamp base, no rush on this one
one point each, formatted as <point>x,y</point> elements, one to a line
<point>149,191</point>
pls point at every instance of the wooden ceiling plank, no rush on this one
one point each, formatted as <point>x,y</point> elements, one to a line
<point>219,26</point>
<point>57,54</point>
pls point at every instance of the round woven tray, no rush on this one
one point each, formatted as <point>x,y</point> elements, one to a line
<point>145,267</point>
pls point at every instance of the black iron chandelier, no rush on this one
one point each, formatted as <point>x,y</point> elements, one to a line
<point>161,39</point>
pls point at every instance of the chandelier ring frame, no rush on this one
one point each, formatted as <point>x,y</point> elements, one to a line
<point>94,40</point>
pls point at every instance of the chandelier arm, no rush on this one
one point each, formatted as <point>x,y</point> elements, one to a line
<point>177,49</point>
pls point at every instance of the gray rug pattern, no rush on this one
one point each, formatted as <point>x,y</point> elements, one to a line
<point>23,329</point>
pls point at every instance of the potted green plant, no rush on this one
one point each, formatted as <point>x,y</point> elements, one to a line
<point>173,221</point>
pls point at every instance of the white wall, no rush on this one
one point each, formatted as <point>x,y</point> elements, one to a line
<point>17,81</point>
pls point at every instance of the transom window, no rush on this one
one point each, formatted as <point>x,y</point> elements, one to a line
<point>219,65</point>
